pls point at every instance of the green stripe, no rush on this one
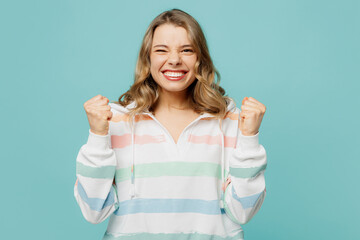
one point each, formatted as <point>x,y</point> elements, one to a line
<point>246,172</point>
<point>171,236</point>
<point>123,174</point>
<point>95,172</point>
<point>204,169</point>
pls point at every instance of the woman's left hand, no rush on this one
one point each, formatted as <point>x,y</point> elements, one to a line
<point>251,115</point>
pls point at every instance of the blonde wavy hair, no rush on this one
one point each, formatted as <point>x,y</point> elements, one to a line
<point>205,95</point>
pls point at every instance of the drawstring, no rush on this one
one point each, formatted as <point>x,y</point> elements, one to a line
<point>222,165</point>
<point>132,187</point>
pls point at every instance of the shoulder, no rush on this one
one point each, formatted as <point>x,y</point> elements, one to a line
<point>233,115</point>
<point>232,110</point>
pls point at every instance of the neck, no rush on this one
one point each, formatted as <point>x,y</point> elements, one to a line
<point>172,101</point>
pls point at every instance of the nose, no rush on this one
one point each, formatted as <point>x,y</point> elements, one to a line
<point>174,58</point>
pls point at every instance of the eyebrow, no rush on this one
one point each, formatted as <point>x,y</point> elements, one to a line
<point>165,46</point>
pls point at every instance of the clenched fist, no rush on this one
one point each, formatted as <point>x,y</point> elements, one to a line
<point>98,114</point>
<point>251,115</point>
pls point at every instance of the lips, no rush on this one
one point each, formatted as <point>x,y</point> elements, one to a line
<point>174,75</point>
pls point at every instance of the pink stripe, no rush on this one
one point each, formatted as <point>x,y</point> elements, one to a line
<point>125,140</point>
<point>230,142</point>
<point>120,141</point>
<point>212,140</point>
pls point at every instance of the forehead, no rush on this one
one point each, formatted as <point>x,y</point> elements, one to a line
<point>171,35</point>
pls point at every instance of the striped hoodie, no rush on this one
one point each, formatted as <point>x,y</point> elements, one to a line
<point>153,188</point>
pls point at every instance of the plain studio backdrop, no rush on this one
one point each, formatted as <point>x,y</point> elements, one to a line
<point>300,58</point>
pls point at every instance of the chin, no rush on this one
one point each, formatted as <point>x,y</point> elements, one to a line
<point>170,89</point>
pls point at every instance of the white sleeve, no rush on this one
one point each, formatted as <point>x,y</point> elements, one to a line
<point>95,170</point>
<point>245,194</point>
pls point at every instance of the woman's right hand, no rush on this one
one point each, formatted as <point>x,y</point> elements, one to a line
<point>98,114</point>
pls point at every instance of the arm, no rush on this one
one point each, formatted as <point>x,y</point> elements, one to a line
<point>94,190</point>
<point>245,194</point>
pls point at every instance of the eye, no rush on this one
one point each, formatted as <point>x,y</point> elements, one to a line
<point>188,50</point>
<point>160,50</point>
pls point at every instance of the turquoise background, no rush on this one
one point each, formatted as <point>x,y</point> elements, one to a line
<point>299,58</point>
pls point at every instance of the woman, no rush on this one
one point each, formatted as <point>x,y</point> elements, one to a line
<point>157,160</point>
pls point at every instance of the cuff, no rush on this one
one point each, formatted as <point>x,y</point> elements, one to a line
<point>249,143</point>
<point>98,141</point>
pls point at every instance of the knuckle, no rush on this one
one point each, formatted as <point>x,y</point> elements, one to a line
<point>254,113</point>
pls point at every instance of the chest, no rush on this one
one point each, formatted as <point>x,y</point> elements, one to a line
<point>175,124</point>
<point>196,147</point>
<point>194,161</point>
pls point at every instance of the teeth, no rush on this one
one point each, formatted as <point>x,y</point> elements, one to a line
<point>174,74</point>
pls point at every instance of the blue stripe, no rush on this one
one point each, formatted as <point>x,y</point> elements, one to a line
<point>96,204</point>
<point>169,206</point>
<point>246,202</point>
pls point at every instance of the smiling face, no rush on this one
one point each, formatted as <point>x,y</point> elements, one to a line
<point>172,58</point>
